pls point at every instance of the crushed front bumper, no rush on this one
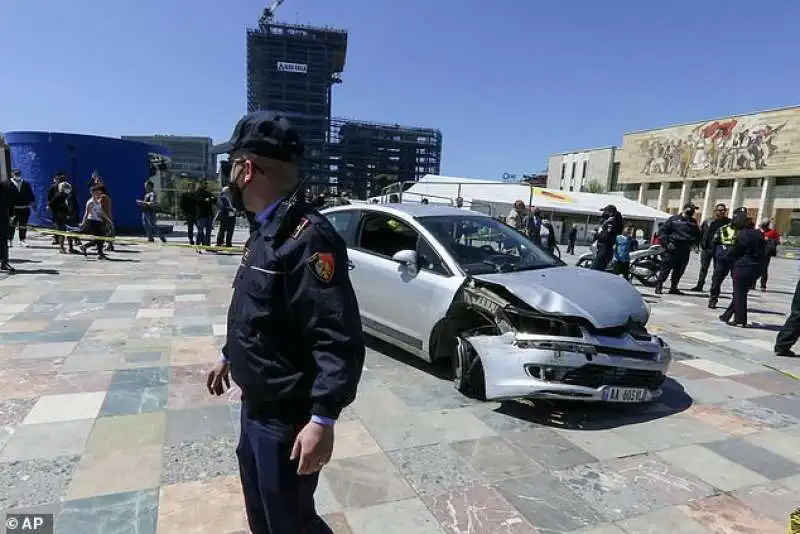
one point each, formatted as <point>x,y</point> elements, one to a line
<point>592,368</point>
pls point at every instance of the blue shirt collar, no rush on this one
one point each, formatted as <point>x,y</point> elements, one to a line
<point>266,212</point>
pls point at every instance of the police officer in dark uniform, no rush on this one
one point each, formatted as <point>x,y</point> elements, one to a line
<point>747,257</point>
<point>294,343</point>
<point>678,235</point>
<point>707,232</point>
<point>610,228</point>
<point>722,243</point>
<point>790,331</point>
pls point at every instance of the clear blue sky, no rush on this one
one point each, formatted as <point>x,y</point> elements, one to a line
<point>507,81</point>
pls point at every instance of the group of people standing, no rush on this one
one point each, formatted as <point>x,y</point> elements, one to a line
<point>734,245</point>
<point>197,204</point>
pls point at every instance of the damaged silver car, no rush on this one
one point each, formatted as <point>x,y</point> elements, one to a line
<point>510,319</point>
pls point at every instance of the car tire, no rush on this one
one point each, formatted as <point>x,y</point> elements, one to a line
<point>468,376</point>
<point>584,263</point>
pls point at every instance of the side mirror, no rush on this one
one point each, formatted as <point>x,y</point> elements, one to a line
<point>406,257</point>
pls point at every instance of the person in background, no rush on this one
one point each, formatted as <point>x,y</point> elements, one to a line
<point>610,228</point>
<point>110,231</point>
<point>771,241</point>
<point>6,205</point>
<point>790,331</point>
<point>656,239</point>
<point>624,245</point>
<point>52,191</point>
<point>571,239</point>
<point>65,213</point>
<point>23,197</point>
<point>148,205</point>
<point>459,202</point>
<point>204,210</point>
<point>533,225</point>
<point>547,236</point>
<point>747,256</point>
<point>95,221</point>
<point>678,235</point>
<point>424,202</point>
<point>189,209</point>
<point>227,218</point>
<point>95,180</point>
<point>706,246</point>
<point>517,217</point>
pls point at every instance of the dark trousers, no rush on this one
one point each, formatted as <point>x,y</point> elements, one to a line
<point>743,279</point>
<point>190,222</point>
<point>721,269</point>
<point>3,249</point>
<point>765,272</point>
<point>251,220</point>
<point>674,263</point>
<point>95,228</point>
<point>706,257</point>
<point>570,247</point>
<point>225,233</point>
<point>790,332</point>
<point>203,231</point>
<point>61,226</point>
<point>603,257</point>
<point>623,268</point>
<point>21,217</point>
<point>276,498</point>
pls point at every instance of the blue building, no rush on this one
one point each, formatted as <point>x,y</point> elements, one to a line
<point>123,165</point>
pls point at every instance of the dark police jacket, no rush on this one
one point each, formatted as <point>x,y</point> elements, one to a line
<point>294,329</point>
<point>23,196</point>
<point>680,232</point>
<point>708,230</point>
<point>6,205</point>
<point>749,249</point>
<point>610,229</point>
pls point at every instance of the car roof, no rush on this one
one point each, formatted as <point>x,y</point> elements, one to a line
<point>411,210</point>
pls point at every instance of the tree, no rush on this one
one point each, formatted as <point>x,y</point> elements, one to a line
<point>593,186</point>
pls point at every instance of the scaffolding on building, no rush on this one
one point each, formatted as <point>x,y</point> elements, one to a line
<point>365,157</point>
<point>292,68</point>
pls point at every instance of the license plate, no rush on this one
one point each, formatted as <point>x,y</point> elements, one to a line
<point>617,394</point>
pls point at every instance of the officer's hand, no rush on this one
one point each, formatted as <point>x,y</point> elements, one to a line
<point>313,448</point>
<point>219,379</point>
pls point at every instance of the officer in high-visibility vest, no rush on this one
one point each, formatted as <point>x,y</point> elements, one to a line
<point>723,241</point>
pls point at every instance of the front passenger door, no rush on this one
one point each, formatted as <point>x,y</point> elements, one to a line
<point>397,304</point>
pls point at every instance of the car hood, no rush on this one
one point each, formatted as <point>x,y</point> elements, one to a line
<point>603,299</point>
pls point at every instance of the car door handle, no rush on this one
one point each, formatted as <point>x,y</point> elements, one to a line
<point>350,265</point>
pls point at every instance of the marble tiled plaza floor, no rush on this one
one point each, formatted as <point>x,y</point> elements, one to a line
<point>104,420</point>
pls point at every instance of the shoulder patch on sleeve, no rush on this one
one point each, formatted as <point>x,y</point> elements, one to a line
<point>304,222</point>
<point>322,266</point>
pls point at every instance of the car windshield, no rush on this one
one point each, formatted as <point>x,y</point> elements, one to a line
<point>482,245</point>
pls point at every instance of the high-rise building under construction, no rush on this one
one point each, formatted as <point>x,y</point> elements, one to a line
<point>292,68</point>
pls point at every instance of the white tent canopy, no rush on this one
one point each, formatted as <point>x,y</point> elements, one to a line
<point>499,197</point>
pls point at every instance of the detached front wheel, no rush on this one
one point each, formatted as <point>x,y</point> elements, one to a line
<point>468,376</point>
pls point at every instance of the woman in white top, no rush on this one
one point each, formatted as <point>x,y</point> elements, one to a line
<point>95,220</point>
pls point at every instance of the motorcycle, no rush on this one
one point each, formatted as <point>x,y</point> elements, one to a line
<point>645,263</point>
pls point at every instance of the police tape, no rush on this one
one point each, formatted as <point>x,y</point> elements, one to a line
<point>127,241</point>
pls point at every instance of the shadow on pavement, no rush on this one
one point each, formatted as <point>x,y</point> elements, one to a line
<point>18,271</point>
<point>439,370</point>
<point>766,312</point>
<point>765,326</point>
<point>575,415</point>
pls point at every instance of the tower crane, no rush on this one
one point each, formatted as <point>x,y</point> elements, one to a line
<point>269,12</point>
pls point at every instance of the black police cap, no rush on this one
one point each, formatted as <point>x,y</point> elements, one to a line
<point>740,210</point>
<point>267,134</point>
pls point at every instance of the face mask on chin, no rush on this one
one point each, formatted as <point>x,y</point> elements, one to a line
<point>236,195</point>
